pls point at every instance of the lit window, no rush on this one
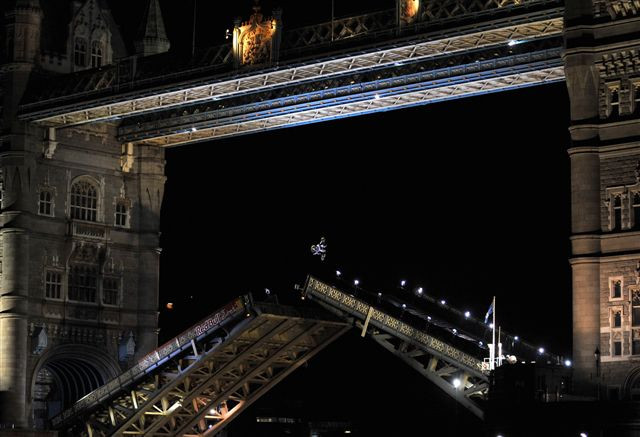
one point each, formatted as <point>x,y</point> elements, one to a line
<point>96,54</point>
<point>80,52</point>
<point>45,203</point>
<point>617,348</point>
<point>52,284</point>
<point>616,288</point>
<point>84,202</point>
<point>83,283</point>
<point>617,213</point>
<point>121,214</point>
<point>636,210</point>
<point>110,291</point>
<point>635,310</point>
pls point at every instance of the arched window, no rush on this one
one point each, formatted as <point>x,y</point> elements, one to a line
<point>84,201</point>
<point>45,203</point>
<point>110,291</point>
<point>616,289</point>
<point>96,54</point>
<point>83,283</point>
<point>80,52</point>
<point>121,214</point>
<point>617,319</point>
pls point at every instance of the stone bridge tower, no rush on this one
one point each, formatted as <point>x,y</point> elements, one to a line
<point>79,221</point>
<point>602,66</point>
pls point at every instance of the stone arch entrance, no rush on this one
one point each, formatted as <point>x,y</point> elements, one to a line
<point>65,374</point>
<point>631,388</point>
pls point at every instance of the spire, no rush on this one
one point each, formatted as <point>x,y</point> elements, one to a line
<point>152,38</point>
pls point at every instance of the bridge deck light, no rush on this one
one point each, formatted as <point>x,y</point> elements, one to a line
<point>420,290</point>
<point>403,283</point>
<point>456,383</point>
<point>338,273</point>
<point>467,314</point>
<point>443,302</point>
<point>567,363</point>
<point>356,282</point>
<point>541,350</point>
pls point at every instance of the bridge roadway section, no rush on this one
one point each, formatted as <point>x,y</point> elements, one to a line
<point>366,64</point>
<point>195,384</point>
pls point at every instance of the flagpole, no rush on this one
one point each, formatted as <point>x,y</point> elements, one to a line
<point>499,347</point>
<point>493,349</point>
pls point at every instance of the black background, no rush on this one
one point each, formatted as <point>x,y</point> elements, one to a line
<point>468,198</point>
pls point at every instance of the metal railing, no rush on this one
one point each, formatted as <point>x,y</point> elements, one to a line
<point>362,310</point>
<point>216,320</point>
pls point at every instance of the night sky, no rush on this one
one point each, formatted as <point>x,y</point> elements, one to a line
<point>468,199</point>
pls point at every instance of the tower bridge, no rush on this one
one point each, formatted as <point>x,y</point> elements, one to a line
<point>85,121</point>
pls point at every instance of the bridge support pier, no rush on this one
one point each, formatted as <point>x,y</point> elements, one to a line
<point>601,68</point>
<point>13,328</point>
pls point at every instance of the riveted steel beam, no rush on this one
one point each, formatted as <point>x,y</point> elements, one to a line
<point>364,104</point>
<point>125,105</point>
<point>207,383</point>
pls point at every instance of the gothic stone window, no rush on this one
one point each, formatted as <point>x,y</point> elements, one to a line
<point>80,52</point>
<point>121,218</point>
<point>84,201</point>
<point>96,54</point>
<point>53,284</point>
<point>635,308</point>
<point>617,213</point>
<point>110,291</point>
<point>45,202</point>
<point>615,288</point>
<point>83,283</point>
<point>616,348</point>
<point>616,318</point>
<point>635,213</point>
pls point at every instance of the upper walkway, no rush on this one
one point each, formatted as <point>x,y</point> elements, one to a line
<point>354,65</point>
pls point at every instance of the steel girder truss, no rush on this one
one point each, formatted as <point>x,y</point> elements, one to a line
<point>363,104</point>
<point>432,73</point>
<point>198,393</point>
<point>459,374</point>
<point>467,389</point>
<point>124,106</point>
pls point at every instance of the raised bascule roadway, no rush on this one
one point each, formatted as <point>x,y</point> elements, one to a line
<point>196,383</point>
<point>355,65</point>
